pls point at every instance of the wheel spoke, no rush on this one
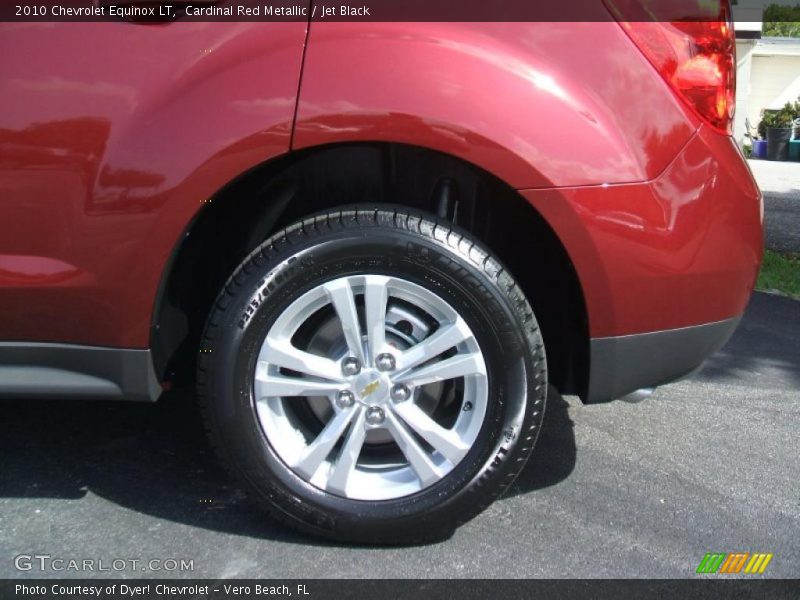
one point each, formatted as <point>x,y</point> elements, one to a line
<point>346,463</point>
<point>419,460</point>
<point>324,347</point>
<point>318,450</point>
<point>281,385</point>
<point>376,295</point>
<point>341,296</point>
<point>443,339</point>
<point>282,354</point>
<point>459,365</point>
<point>446,441</point>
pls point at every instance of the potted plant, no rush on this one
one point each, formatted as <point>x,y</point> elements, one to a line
<point>796,132</point>
<point>794,144</point>
<point>776,128</point>
<point>757,147</point>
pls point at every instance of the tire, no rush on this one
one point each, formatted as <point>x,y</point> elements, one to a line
<point>375,487</point>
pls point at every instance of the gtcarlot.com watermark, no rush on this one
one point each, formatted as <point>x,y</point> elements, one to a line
<point>47,563</point>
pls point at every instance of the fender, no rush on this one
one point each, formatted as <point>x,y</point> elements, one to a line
<point>496,95</point>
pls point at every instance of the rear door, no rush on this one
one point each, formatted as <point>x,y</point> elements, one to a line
<point>112,134</point>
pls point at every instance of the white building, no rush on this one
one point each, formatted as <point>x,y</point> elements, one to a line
<point>768,69</point>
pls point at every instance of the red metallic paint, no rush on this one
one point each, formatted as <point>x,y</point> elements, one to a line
<point>680,250</point>
<point>113,135</point>
<point>537,104</point>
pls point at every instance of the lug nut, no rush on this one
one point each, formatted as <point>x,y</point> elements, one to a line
<point>385,362</point>
<point>351,366</point>
<point>375,415</point>
<point>400,393</point>
<point>345,399</point>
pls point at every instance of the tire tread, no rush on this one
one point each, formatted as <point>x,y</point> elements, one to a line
<point>423,225</point>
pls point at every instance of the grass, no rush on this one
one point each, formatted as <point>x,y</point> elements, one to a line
<point>780,272</point>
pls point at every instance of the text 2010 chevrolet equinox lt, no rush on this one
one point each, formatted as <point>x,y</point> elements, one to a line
<point>371,246</point>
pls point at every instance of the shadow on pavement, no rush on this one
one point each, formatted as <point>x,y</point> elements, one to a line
<point>765,350</point>
<point>554,456</point>
<point>151,458</point>
<point>154,459</point>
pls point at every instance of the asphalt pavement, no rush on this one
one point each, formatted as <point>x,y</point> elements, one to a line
<point>780,184</point>
<point>614,490</point>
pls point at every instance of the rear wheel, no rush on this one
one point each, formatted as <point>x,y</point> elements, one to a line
<point>373,375</point>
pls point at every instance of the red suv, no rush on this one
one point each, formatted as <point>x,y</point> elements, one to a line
<point>371,246</point>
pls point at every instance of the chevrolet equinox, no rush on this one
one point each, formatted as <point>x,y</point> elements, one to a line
<point>371,246</point>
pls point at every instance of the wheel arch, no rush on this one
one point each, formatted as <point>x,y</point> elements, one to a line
<point>276,193</point>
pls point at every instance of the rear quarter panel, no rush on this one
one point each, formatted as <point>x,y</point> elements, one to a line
<point>537,104</point>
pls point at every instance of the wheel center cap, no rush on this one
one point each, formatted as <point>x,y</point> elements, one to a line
<point>371,387</point>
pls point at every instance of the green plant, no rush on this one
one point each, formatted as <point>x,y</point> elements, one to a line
<point>781,273</point>
<point>782,21</point>
<point>778,119</point>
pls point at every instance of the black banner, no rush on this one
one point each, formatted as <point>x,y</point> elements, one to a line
<point>315,589</point>
<point>166,11</point>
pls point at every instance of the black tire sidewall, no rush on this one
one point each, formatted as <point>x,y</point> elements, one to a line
<point>267,286</point>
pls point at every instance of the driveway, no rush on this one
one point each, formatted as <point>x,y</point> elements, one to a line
<point>615,490</point>
<point>780,184</point>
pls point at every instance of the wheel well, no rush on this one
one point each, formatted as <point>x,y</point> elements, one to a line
<point>271,196</point>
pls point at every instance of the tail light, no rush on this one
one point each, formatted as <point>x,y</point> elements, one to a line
<point>692,44</point>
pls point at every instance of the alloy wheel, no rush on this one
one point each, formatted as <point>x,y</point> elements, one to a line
<point>370,387</point>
